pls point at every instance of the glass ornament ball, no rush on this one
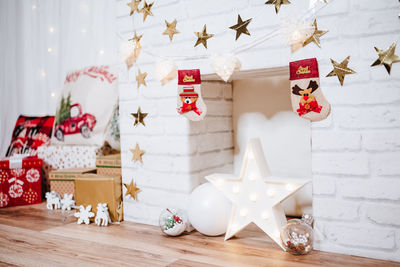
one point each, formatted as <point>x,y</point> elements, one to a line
<point>297,236</point>
<point>173,222</point>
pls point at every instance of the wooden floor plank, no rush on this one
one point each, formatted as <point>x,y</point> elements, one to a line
<point>35,236</point>
<point>36,248</point>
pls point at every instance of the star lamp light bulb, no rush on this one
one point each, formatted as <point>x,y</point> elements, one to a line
<point>253,197</point>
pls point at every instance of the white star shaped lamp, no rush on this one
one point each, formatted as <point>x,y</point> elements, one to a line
<point>255,195</point>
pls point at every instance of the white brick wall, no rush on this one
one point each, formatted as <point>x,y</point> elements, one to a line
<point>178,152</point>
<point>356,151</point>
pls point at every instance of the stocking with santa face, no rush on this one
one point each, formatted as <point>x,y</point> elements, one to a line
<point>307,98</point>
<point>190,101</point>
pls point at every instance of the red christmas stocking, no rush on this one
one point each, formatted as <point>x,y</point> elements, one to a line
<point>190,102</point>
<point>306,95</point>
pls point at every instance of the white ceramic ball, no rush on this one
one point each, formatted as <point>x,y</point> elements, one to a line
<point>209,210</point>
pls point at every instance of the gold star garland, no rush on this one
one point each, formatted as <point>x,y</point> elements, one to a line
<point>277,4</point>
<point>136,51</point>
<point>134,5</point>
<point>140,78</point>
<point>241,27</point>
<point>136,37</point>
<point>131,190</point>
<point>340,69</point>
<point>171,29</point>
<point>386,57</point>
<point>137,154</point>
<point>315,36</point>
<point>202,37</point>
<point>146,10</point>
<point>139,117</point>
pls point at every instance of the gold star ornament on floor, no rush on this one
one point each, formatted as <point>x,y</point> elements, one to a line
<point>137,154</point>
<point>386,57</point>
<point>171,29</point>
<point>255,195</point>
<point>314,38</point>
<point>277,4</point>
<point>131,190</point>
<point>140,78</point>
<point>340,69</point>
<point>134,5</point>
<point>139,117</point>
<point>202,37</point>
<point>146,10</point>
<point>241,27</point>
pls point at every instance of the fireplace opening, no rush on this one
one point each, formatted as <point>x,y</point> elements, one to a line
<point>255,104</point>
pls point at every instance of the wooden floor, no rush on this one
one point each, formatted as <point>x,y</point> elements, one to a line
<point>35,236</point>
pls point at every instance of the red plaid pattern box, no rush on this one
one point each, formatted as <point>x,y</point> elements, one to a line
<point>20,181</point>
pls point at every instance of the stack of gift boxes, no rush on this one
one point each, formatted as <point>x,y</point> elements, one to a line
<point>91,186</point>
<point>21,183</point>
<point>61,150</point>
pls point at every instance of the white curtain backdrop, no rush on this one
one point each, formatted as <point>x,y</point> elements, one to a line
<point>40,41</point>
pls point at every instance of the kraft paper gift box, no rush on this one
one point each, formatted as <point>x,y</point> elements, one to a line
<point>109,165</point>
<point>20,181</point>
<point>62,181</point>
<point>91,189</point>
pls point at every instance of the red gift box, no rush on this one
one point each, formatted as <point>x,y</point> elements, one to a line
<point>20,181</point>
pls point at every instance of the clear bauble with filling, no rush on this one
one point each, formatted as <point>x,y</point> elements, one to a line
<point>173,222</point>
<point>297,235</point>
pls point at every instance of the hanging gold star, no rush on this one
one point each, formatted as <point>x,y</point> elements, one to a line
<point>315,36</point>
<point>171,29</point>
<point>136,37</point>
<point>134,5</point>
<point>137,154</point>
<point>277,4</point>
<point>146,10</point>
<point>202,37</point>
<point>140,78</point>
<point>131,190</point>
<point>386,57</point>
<point>241,27</point>
<point>340,69</point>
<point>139,117</point>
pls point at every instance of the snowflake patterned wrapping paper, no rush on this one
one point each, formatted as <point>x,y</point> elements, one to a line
<point>22,185</point>
<point>66,157</point>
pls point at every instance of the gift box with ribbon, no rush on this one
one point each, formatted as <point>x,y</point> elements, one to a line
<point>20,180</point>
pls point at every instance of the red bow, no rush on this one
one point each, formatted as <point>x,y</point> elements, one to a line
<point>189,107</point>
<point>307,107</point>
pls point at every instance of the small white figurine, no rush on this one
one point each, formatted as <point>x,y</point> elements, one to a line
<point>84,214</point>
<point>53,198</point>
<point>102,216</point>
<point>67,203</point>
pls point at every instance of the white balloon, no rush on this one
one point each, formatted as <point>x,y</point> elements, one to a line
<point>209,210</point>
